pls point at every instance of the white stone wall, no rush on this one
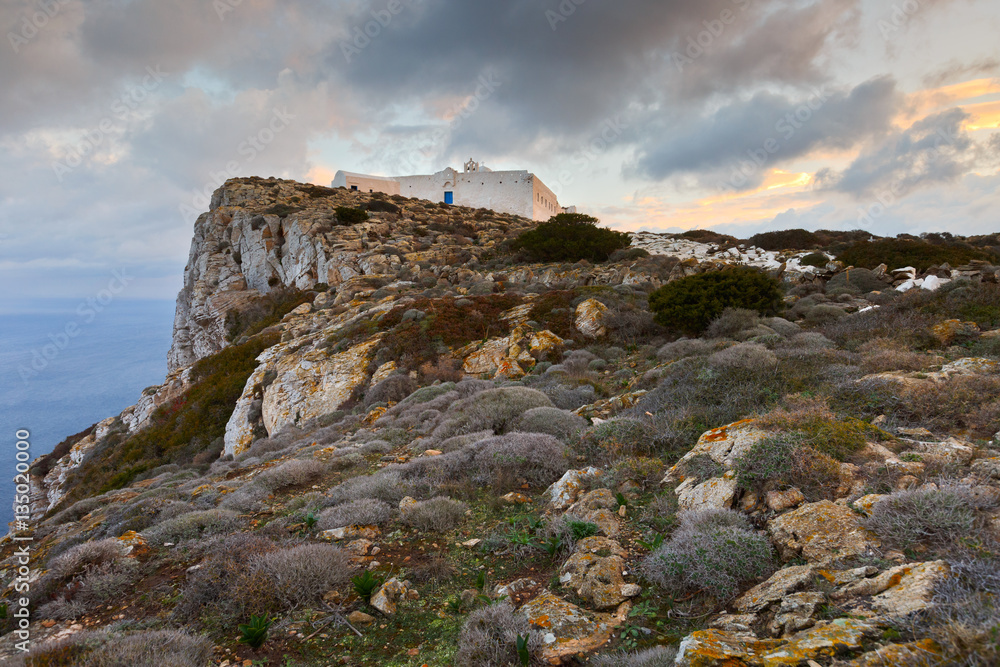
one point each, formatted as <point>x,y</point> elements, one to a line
<point>545,204</point>
<point>518,192</point>
<point>365,183</point>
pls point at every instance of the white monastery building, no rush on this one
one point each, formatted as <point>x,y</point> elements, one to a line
<point>518,192</point>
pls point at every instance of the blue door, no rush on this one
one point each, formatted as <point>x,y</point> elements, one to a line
<point>449,197</point>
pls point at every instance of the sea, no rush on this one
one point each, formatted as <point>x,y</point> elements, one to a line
<point>66,364</point>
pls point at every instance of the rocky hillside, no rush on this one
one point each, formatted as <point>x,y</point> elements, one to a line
<point>391,441</point>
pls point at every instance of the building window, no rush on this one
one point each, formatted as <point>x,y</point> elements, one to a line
<point>354,187</point>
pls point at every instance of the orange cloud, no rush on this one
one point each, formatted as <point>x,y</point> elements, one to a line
<point>985,115</point>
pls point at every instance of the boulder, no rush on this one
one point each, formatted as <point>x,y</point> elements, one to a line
<point>564,492</point>
<point>596,579</point>
<point>717,648</point>
<point>780,584</point>
<point>567,630</point>
<point>796,613</point>
<point>820,531</point>
<point>715,493</point>
<point>724,445</point>
<point>895,593</point>
<point>824,640</point>
<point>590,318</point>
<point>779,501</point>
<point>950,330</point>
<point>386,598</point>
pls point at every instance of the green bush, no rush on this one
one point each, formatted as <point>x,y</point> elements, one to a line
<point>350,216</point>
<point>690,304</point>
<point>857,280</point>
<point>380,205</point>
<point>787,239</point>
<point>570,237</point>
<point>897,253</point>
<point>816,259</point>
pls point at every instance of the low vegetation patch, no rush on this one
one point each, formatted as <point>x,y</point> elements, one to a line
<point>570,237</point>
<point>689,305</point>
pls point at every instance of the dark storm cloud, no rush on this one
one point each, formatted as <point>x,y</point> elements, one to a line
<point>751,136</point>
<point>933,150</point>
<point>569,64</point>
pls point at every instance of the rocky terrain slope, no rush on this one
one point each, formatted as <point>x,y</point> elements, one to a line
<point>397,442</point>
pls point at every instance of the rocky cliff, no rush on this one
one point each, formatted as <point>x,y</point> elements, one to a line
<point>512,450</point>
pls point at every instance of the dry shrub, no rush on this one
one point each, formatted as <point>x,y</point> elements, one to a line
<point>685,347</point>
<point>964,402</point>
<point>436,514</point>
<point>644,471</point>
<point>617,438</point>
<point>966,613</point>
<point>391,390</point>
<point>494,409</point>
<point>503,460</point>
<point>227,586</point>
<point>713,551</point>
<point>747,357</point>
<point>932,518</point>
<point>303,574</point>
<point>884,354</point>
<point>194,525</point>
<point>815,474</point>
<point>152,648</point>
<point>290,473</point>
<point>659,656</point>
<point>387,485</point>
<point>813,424</point>
<point>732,322</point>
<point>562,424</point>
<point>361,512</point>
<point>489,638</point>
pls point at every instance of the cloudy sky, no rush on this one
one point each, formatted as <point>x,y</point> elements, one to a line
<point>119,117</point>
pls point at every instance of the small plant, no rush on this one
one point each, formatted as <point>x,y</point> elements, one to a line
<point>582,529</point>
<point>310,521</point>
<point>621,499</point>
<point>522,650</point>
<point>655,543</point>
<point>254,633</point>
<point>365,585</point>
<point>550,546</point>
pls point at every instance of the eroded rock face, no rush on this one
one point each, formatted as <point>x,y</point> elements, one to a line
<point>897,592</point>
<point>820,531</point>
